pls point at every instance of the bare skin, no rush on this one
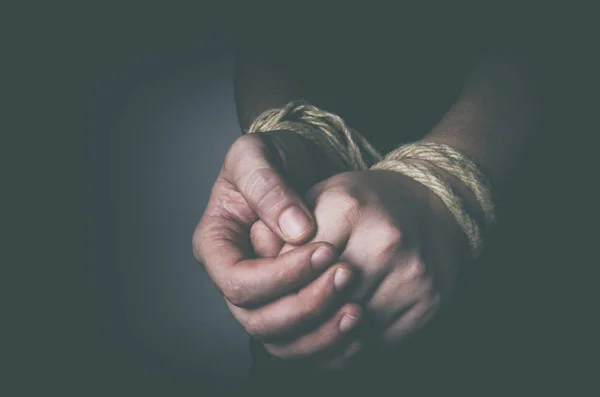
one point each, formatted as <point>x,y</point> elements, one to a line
<point>390,250</point>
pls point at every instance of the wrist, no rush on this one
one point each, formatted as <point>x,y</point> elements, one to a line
<point>303,163</point>
<point>467,196</point>
<point>320,161</point>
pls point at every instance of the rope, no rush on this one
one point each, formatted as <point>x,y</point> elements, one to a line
<point>350,151</point>
<point>346,148</point>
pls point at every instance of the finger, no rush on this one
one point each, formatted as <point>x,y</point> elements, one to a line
<point>372,247</point>
<point>327,335</point>
<point>343,359</point>
<point>399,290</point>
<point>249,166</point>
<point>253,282</point>
<point>336,215</point>
<point>266,244</point>
<point>220,241</point>
<point>297,312</point>
<point>410,321</point>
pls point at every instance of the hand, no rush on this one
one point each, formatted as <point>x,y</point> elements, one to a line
<point>397,236</point>
<point>260,178</point>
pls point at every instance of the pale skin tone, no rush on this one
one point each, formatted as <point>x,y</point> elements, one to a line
<point>385,248</point>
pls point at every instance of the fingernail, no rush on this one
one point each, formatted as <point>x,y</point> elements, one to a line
<point>294,223</point>
<point>341,278</point>
<point>348,322</point>
<point>322,257</point>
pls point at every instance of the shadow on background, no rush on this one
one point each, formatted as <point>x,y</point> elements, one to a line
<point>133,116</point>
<point>161,119</point>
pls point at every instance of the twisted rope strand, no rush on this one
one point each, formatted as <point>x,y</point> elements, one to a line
<point>456,164</point>
<point>327,130</point>
<point>346,148</point>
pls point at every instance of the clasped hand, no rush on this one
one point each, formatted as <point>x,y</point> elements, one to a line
<point>306,256</point>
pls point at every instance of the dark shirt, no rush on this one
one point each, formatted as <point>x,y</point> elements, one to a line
<point>392,74</point>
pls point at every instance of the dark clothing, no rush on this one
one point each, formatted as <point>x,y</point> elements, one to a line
<point>392,76</point>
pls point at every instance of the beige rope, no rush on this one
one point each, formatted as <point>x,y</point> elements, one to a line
<point>350,151</point>
<point>453,202</point>
<point>454,163</point>
<point>347,148</point>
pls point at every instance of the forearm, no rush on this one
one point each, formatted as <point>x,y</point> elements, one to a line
<point>492,121</point>
<point>494,118</point>
<point>262,80</point>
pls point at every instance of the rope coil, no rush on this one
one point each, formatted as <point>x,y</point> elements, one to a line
<point>344,146</point>
<point>350,151</point>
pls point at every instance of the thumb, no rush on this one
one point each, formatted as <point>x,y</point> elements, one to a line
<point>252,166</point>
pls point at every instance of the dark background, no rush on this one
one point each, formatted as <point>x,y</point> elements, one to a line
<point>162,117</point>
<point>124,114</point>
<point>127,115</point>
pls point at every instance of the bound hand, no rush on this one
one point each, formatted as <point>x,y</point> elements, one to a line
<point>401,242</point>
<point>260,179</point>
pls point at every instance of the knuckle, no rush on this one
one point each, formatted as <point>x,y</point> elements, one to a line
<point>414,269</point>
<point>341,202</point>
<point>240,149</point>
<point>255,327</point>
<point>197,244</point>
<point>427,290</point>
<point>270,194</point>
<point>234,292</point>
<point>391,238</point>
<point>244,142</point>
<point>295,274</point>
<point>313,302</point>
<point>307,312</point>
<point>263,188</point>
<point>275,351</point>
<point>259,229</point>
<point>252,327</point>
<point>347,202</point>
